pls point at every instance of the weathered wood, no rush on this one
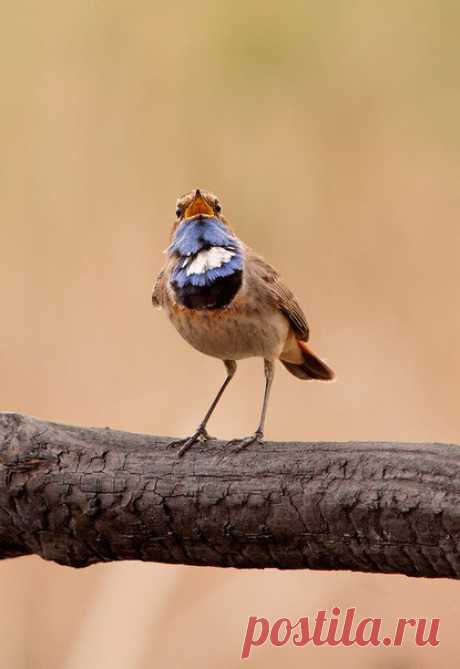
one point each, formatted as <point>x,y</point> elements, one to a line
<point>84,495</point>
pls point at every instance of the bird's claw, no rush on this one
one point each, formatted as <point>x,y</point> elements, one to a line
<point>257,437</point>
<point>199,436</point>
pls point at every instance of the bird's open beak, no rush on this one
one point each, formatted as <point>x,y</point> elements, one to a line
<point>198,206</point>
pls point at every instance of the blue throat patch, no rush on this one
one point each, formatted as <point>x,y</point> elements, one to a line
<point>198,234</point>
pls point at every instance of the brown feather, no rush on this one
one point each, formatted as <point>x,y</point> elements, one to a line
<point>279,294</point>
<point>158,290</point>
<point>311,366</point>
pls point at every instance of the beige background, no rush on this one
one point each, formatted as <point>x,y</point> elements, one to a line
<point>330,131</point>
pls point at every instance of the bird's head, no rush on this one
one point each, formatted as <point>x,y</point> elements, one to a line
<point>197,203</point>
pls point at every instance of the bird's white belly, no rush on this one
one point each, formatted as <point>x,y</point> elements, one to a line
<point>232,334</point>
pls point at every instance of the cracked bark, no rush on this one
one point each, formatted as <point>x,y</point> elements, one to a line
<point>84,495</point>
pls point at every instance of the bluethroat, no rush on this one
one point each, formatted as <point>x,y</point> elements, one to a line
<point>229,303</point>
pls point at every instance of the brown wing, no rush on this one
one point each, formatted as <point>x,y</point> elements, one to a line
<point>159,290</point>
<point>281,295</point>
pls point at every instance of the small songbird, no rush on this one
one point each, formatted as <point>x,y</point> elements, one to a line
<point>229,303</point>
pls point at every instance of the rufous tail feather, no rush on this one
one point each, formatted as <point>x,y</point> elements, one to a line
<point>311,366</point>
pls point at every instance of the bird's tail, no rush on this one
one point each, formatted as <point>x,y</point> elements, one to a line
<point>310,366</point>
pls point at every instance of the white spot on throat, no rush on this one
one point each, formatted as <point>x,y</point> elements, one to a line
<point>208,259</point>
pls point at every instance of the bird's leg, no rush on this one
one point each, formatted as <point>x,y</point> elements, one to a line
<point>269,369</point>
<point>201,433</point>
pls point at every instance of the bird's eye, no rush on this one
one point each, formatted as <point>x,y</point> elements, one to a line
<point>217,207</point>
<point>178,212</point>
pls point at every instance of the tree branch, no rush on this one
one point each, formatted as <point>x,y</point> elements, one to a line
<point>83,495</point>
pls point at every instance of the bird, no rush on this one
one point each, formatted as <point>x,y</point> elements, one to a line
<point>227,302</point>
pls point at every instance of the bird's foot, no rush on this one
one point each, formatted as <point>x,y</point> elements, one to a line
<point>257,437</point>
<point>199,436</point>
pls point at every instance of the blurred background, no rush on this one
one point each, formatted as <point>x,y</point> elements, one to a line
<point>330,131</point>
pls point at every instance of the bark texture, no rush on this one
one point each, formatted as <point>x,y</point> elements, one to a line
<point>84,495</point>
